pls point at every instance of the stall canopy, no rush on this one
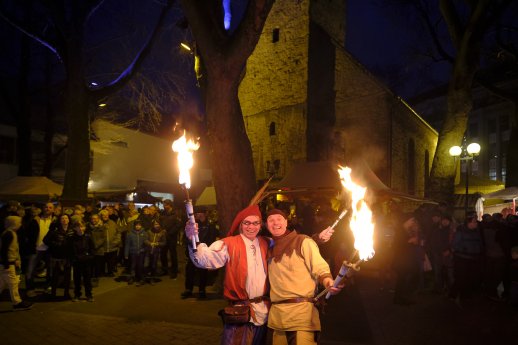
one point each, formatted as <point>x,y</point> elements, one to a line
<point>323,177</point>
<point>508,193</point>
<point>496,201</point>
<point>207,197</point>
<point>30,188</point>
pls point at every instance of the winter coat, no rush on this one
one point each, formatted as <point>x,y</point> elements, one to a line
<point>57,239</point>
<point>112,235</point>
<point>155,240</point>
<point>135,242</point>
<point>97,233</point>
<point>82,247</point>
<point>467,243</point>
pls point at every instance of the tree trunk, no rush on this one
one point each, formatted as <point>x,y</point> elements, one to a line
<point>511,179</point>
<point>23,124</point>
<point>466,39</point>
<point>442,175</point>
<point>231,153</point>
<point>49,123</point>
<point>224,56</point>
<point>76,111</point>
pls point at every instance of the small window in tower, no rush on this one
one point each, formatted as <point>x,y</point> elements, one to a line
<point>272,128</point>
<point>277,165</point>
<point>275,35</point>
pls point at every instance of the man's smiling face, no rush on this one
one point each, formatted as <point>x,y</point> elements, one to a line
<point>250,227</point>
<point>277,224</point>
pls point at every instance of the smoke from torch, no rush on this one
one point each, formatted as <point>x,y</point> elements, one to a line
<point>185,148</point>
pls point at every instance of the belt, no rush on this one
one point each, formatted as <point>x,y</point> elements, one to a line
<point>296,300</point>
<point>251,300</point>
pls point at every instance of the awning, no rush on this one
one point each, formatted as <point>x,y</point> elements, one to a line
<point>508,193</point>
<point>207,197</point>
<point>33,188</point>
<point>314,177</point>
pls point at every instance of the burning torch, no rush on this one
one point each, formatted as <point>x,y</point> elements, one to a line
<point>185,148</point>
<point>362,227</point>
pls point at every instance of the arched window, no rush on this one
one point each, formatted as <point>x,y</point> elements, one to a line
<point>272,128</point>
<point>426,170</point>
<point>411,167</point>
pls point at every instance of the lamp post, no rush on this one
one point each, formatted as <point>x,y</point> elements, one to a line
<point>466,153</point>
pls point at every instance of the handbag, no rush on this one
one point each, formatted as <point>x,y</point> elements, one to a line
<point>239,314</point>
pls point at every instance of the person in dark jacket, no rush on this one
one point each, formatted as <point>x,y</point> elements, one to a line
<point>207,233</point>
<point>27,237</point>
<point>82,257</point>
<point>467,249</point>
<point>155,243</point>
<point>406,260</point>
<point>172,224</point>
<point>135,251</point>
<point>57,240</point>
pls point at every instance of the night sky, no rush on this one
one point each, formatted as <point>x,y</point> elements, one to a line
<point>389,42</point>
<point>388,39</point>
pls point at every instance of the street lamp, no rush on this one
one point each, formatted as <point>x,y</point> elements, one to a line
<point>467,154</point>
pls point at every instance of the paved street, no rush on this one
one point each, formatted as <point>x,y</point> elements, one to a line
<point>362,314</point>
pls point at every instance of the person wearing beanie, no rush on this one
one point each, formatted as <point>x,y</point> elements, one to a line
<point>295,269</point>
<point>243,254</point>
<point>10,262</point>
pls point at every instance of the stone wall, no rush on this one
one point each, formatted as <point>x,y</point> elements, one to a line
<point>287,145</point>
<point>330,15</point>
<point>362,114</point>
<point>407,126</point>
<point>276,72</point>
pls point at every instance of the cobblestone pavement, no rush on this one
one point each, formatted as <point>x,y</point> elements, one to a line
<point>120,314</point>
<point>362,314</point>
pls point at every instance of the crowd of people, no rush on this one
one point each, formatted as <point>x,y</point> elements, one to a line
<point>48,242</point>
<point>431,251</point>
<point>424,250</point>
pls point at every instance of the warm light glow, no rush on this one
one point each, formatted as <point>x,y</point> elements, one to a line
<point>185,46</point>
<point>102,105</point>
<point>473,148</point>
<point>455,151</point>
<point>185,148</point>
<point>361,219</point>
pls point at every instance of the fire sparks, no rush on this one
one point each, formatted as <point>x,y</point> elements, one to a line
<point>361,219</point>
<point>185,148</point>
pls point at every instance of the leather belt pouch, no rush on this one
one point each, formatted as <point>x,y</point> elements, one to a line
<point>235,314</point>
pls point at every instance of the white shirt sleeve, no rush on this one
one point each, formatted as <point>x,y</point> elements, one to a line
<point>213,257</point>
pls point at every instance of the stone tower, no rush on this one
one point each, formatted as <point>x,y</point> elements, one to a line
<point>305,98</point>
<point>288,86</point>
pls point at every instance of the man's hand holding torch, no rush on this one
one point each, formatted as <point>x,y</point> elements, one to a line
<point>191,232</point>
<point>185,148</point>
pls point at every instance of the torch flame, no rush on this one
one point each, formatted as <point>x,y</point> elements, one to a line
<point>361,219</point>
<point>185,148</point>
